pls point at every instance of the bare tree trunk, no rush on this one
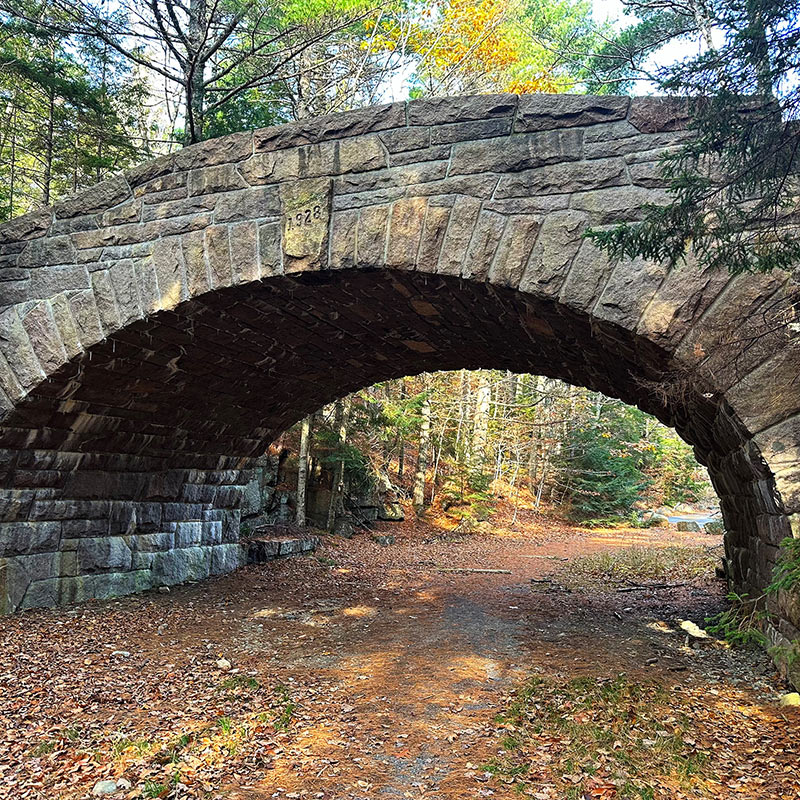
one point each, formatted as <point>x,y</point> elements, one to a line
<point>47,179</point>
<point>194,77</point>
<point>401,457</point>
<point>422,456</point>
<point>302,470</point>
<point>480,423</point>
<point>342,414</point>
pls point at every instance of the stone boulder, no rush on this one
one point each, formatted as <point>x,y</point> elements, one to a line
<point>391,512</point>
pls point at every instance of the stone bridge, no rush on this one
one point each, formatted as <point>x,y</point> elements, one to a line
<point>159,330</point>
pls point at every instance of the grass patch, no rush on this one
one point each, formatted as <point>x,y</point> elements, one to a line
<point>43,748</point>
<point>238,683</point>
<point>637,564</point>
<point>124,744</point>
<point>286,708</point>
<point>606,730</point>
<point>225,724</point>
<point>72,734</point>
<point>154,789</point>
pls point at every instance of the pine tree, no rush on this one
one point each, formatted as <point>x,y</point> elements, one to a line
<point>733,186</point>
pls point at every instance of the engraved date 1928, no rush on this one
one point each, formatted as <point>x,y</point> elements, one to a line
<point>306,216</point>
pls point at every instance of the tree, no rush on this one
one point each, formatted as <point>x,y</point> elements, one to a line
<point>69,115</point>
<point>234,58</point>
<point>524,46</point>
<point>626,57</point>
<point>602,461</point>
<point>733,186</point>
<point>420,476</point>
<point>302,470</point>
<point>341,415</point>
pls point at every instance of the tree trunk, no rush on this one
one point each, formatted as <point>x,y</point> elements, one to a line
<point>194,76</point>
<point>342,414</point>
<point>302,470</point>
<point>47,179</point>
<point>480,423</point>
<point>401,457</point>
<point>422,456</point>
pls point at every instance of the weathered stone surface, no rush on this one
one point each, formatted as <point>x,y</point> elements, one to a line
<point>656,114</point>
<point>305,213</point>
<point>100,197</point>
<point>617,204</point>
<point>44,336</point>
<point>405,232</point>
<point>17,348</point>
<point>514,249</point>
<point>220,178</point>
<point>444,110</point>
<point>579,176</point>
<point>343,239</point>
<point>226,149</point>
<point>335,126</point>
<point>544,112</point>
<point>470,131</point>
<point>106,554</point>
<point>628,291</point>
<point>170,272</point>
<point>48,251</point>
<point>47,282</point>
<point>28,226</point>
<point>483,245</point>
<point>371,236</point>
<point>558,242</point>
<point>244,251</point>
<point>463,217</point>
<point>586,278</point>
<point>24,538</point>
<point>270,254</point>
<point>248,204</point>
<point>518,152</point>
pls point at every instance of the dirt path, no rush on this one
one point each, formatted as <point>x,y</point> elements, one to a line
<point>363,672</point>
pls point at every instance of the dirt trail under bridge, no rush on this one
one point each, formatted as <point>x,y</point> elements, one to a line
<point>368,672</point>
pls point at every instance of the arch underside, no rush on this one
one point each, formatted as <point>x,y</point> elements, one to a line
<point>126,467</point>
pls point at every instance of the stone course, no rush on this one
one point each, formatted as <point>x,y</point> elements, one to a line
<point>159,330</point>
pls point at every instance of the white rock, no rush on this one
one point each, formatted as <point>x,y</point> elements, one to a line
<point>223,664</point>
<point>102,788</point>
<point>791,699</point>
<point>121,653</point>
<point>693,630</point>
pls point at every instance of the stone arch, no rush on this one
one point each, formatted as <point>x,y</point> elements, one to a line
<point>158,330</point>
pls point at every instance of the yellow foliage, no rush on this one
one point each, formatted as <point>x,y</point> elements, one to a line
<point>480,45</point>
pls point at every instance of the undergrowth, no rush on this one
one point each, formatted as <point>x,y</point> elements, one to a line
<point>786,576</point>
<point>634,564</point>
<point>739,625</point>
<point>612,730</point>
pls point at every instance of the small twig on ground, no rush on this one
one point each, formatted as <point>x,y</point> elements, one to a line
<point>469,569</point>
<point>640,587</point>
<point>549,558</point>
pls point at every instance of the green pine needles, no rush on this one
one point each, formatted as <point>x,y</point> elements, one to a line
<point>733,186</point>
